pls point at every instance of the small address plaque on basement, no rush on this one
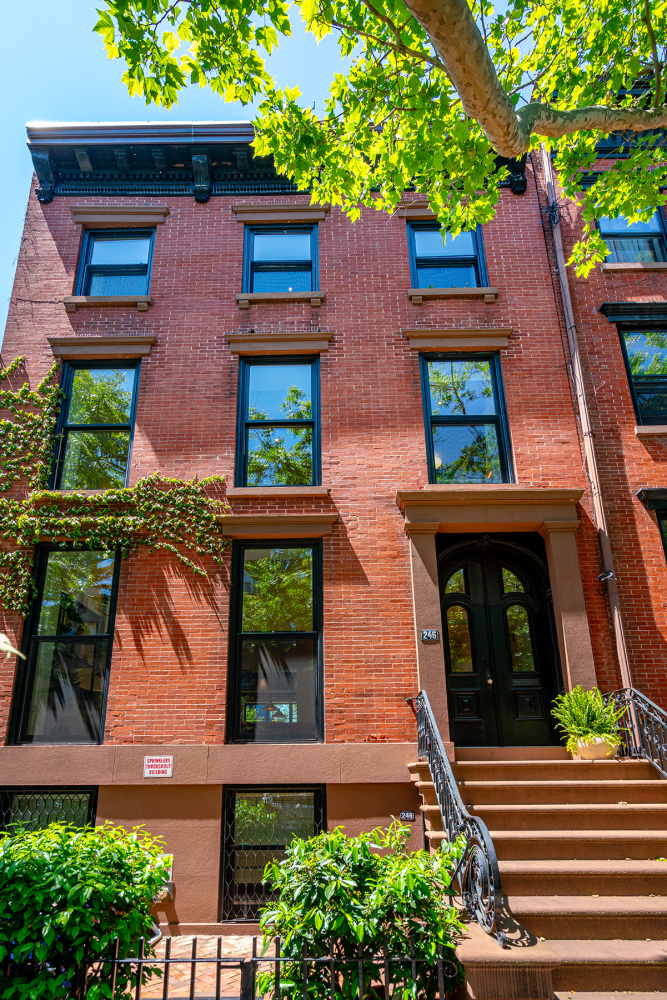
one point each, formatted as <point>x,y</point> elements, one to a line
<point>430,635</point>
<point>158,767</point>
<point>407,816</point>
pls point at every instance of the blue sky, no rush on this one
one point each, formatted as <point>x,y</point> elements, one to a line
<point>56,69</point>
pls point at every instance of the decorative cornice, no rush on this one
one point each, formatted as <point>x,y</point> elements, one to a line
<point>477,507</point>
<point>247,299</point>
<point>417,295</point>
<point>279,342</point>
<point>74,302</point>
<point>487,495</point>
<point>113,216</point>
<point>133,346</point>
<point>267,212</point>
<point>482,339</point>
<point>277,525</point>
<point>637,312</point>
<point>103,133</point>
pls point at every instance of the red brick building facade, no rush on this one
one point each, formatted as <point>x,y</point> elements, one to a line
<point>380,524</point>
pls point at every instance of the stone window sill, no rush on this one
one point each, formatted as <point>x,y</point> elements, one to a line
<point>652,266</point>
<point>419,294</point>
<point>651,430</point>
<point>74,302</point>
<point>247,299</point>
<point>277,492</point>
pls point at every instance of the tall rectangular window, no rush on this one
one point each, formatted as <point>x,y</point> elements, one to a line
<point>646,361</point>
<point>275,659</point>
<point>455,262</point>
<point>115,263</point>
<point>466,428</point>
<point>35,808</point>
<point>96,425</point>
<point>278,435</point>
<point>280,259</point>
<point>641,242</point>
<point>63,681</point>
<point>258,825</point>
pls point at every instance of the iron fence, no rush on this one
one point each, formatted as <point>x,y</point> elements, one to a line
<point>336,974</point>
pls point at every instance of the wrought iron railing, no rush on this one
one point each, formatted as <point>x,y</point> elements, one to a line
<point>643,727</point>
<point>477,876</point>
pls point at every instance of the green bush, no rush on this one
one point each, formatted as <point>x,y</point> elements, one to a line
<point>68,892</point>
<point>359,891</point>
<point>584,716</point>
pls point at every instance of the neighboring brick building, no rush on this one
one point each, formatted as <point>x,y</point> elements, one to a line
<point>381,344</point>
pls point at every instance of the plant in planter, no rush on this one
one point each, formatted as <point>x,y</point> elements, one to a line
<point>590,724</point>
<point>357,892</point>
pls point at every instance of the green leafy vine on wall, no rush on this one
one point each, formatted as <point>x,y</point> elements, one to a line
<point>175,515</point>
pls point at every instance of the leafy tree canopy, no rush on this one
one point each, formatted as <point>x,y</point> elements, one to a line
<point>435,90</point>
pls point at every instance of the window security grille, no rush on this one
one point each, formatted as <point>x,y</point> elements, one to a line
<point>258,826</point>
<point>35,808</point>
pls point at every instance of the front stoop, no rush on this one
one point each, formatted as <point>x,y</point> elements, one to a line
<point>585,905</point>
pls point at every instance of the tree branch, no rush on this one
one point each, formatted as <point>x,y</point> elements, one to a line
<point>467,61</point>
<point>657,66</point>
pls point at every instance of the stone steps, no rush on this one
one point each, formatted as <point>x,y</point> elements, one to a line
<point>478,793</point>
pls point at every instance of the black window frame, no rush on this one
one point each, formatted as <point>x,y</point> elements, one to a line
<point>660,211</point>
<point>242,422</point>
<point>250,266</point>
<point>236,636</point>
<point>499,418</point>
<point>25,673</point>
<point>85,269</point>
<point>227,860</point>
<point>6,791</point>
<point>63,427</point>
<point>630,327</point>
<point>478,261</point>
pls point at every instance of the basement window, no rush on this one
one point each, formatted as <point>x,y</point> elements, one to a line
<point>35,808</point>
<point>258,825</point>
<point>115,262</point>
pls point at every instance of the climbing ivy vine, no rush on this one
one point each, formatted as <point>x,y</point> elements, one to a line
<point>26,441</point>
<point>174,515</point>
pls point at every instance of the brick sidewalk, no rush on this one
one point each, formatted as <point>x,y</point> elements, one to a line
<point>180,973</point>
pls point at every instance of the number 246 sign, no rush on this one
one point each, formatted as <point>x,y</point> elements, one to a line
<point>430,635</point>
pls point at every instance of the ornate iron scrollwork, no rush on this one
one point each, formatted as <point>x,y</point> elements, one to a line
<point>643,727</point>
<point>477,876</point>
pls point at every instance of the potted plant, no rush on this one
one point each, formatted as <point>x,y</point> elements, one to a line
<point>590,724</point>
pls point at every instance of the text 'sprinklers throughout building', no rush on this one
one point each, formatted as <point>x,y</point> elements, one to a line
<point>408,510</point>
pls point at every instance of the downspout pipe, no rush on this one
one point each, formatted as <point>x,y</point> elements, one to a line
<point>599,515</point>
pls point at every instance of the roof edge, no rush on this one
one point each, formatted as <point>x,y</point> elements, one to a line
<point>102,133</point>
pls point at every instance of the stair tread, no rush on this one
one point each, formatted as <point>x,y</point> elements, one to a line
<point>570,783</point>
<point>524,807</point>
<point>608,995</point>
<point>578,834</point>
<point>595,905</point>
<point>586,866</point>
<point>591,951</point>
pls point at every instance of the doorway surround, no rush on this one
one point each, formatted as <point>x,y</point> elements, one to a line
<point>502,508</point>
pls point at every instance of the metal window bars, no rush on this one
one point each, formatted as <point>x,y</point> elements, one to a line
<point>643,727</point>
<point>477,876</point>
<point>331,976</point>
<point>34,808</point>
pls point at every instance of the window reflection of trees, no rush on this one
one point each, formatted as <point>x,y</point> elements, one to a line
<point>278,590</point>
<point>458,632</point>
<point>521,646</point>
<point>97,459</point>
<point>464,453</point>
<point>282,456</point>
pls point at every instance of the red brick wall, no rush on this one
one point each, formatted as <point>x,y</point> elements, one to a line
<point>626,463</point>
<point>170,659</point>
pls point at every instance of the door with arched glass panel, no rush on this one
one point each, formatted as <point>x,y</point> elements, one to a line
<point>499,648</point>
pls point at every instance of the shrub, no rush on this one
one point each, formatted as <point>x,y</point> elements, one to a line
<point>66,893</point>
<point>361,891</point>
<point>584,716</point>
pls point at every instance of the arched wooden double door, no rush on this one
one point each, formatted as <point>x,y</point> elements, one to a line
<point>499,645</point>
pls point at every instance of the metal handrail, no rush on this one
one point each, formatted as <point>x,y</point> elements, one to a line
<point>477,875</point>
<point>643,727</point>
